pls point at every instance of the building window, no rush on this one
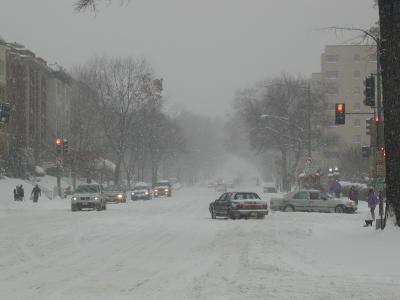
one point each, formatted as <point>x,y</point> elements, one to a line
<point>356,75</point>
<point>356,122</point>
<point>356,90</point>
<point>356,58</point>
<point>2,67</point>
<point>357,139</point>
<point>332,90</point>
<point>331,75</point>
<point>332,58</point>
<point>357,106</point>
<point>372,58</point>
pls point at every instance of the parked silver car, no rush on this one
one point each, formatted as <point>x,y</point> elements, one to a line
<point>312,200</point>
<point>88,196</point>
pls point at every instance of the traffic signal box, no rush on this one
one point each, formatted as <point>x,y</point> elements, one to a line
<point>340,114</point>
<point>59,145</point>
<point>65,146</point>
<point>369,91</point>
<point>375,127</point>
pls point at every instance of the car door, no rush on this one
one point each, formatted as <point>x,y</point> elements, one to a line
<point>218,204</point>
<point>315,203</point>
<point>300,201</point>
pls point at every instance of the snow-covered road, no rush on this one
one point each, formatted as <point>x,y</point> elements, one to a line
<point>169,248</point>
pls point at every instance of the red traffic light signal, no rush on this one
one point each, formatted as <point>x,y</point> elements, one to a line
<point>58,142</point>
<point>340,113</point>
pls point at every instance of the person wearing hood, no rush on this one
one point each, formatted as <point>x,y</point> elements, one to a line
<point>36,192</point>
<point>372,201</point>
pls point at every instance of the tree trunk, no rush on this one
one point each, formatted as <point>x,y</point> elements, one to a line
<point>389,15</point>
<point>284,170</point>
<point>117,170</point>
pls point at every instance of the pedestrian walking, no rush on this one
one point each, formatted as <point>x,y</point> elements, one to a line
<point>36,192</point>
<point>16,196</point>
<point>353,194</point>
<point>372,201</point>
<point>21,193</point>
<point>336,188</point>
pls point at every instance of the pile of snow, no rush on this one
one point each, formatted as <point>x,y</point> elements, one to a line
<point>39,171</point>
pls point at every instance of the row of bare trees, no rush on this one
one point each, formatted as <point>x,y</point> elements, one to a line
<point>118,114</point>
<point>285,117</point>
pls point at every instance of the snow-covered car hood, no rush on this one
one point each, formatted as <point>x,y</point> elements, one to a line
<point>91,195</point>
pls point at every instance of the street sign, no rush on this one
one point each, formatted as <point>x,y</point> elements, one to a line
<point>380,184</point>
<point>380,164</point>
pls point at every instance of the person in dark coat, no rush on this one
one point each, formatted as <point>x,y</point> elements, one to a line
<point>336,188</point>
<point>372,201</point>
<point>36,192</point>
<point>21,193</point>
<point>353,194</point>
<point>16,196</point>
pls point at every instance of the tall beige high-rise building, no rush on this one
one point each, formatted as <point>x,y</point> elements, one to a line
<point>343,71</point>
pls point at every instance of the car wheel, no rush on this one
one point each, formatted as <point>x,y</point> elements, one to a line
<point>99,207</point>
<point>213,215</point>
<point>231,215</point>
<point>73,208</point>
<point>260,216</point>
<point>105,206</point>
<point>289,208</point>
<point>340,209</point>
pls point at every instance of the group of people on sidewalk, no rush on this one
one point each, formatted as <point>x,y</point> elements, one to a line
<point>19,193</point>
<point>372,202</point>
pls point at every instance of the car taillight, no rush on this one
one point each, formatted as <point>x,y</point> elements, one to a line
<point>239,206</point>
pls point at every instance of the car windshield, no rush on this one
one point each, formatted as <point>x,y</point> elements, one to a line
<point>87,189</point>
<point>246,196</point>
<point>140,187</point>
<point>113,188</point>
<point>162,183</point>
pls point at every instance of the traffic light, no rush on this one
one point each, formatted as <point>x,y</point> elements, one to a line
<point>369,91</point>
<point>59,145</point>
<point>340,113</point>
<point>65,146</point>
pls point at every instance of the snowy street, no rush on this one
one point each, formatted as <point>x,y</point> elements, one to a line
<point>169,248</point>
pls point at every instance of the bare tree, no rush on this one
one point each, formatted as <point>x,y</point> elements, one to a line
<point>92,4</point>
<point>123,86</point>
<point>278,117</point>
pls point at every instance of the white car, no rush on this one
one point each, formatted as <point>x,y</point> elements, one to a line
<point>88,196</point>
<point>312,200</point>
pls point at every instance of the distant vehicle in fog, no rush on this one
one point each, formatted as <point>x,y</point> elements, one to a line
<point>115,194</point>
<point>162,188</point>
<point>313,201</point>
<point>141,190</point>
<point>236,205</point>
<point>221,188</point>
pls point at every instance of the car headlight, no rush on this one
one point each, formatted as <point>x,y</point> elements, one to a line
<point>96,198</point>
<point>350,203</point>
<point>119,196</point>
<point>74,198</point>
<point>166,190</point>
<point>146,192</point>
<point>133,193</point>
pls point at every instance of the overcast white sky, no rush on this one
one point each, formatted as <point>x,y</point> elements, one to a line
<point>204,49</point>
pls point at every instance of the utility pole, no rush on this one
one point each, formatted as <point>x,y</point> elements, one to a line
<point>309,106</point>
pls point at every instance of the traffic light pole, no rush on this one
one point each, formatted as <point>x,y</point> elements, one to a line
<point>309,120</point>
<point>59,177</point>
<point>379,138</point>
